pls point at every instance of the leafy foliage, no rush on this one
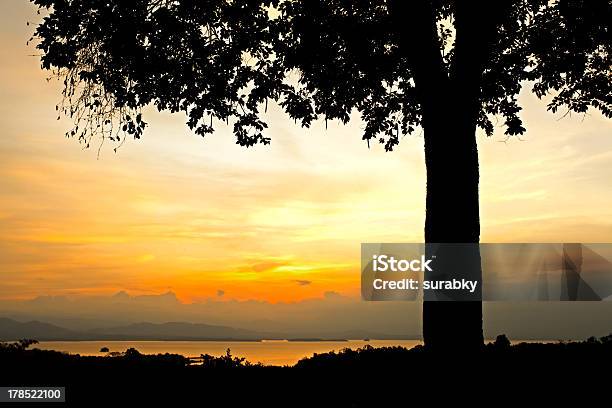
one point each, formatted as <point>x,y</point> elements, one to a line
<point>224,362</point>
<point>18,346</point>
<point>224,60</point>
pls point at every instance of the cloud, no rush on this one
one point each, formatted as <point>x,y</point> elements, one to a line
<point>302,282</point>
<point>266,266</point>
<point>313,317</point>
<point>331,315</point>
<point>199,215</point>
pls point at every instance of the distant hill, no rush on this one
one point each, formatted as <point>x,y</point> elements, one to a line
<point>13,330</point>
<point>182,331</point>
<point>366,334</point>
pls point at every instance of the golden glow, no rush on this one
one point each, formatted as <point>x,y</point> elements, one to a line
<point>207,218</point>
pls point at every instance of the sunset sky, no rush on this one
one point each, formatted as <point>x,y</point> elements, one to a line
<point>206,218</point>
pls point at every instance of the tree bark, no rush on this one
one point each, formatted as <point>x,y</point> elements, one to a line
<point>449,97</point>
<point>452,217</point>
<point>451,157</point>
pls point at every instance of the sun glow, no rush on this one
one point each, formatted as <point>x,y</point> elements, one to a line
<point>209,219</point>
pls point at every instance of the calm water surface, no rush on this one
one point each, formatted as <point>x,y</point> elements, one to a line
<point>266,352</point>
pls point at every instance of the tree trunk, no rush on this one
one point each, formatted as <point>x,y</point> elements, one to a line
<point>449,95</point>
<point>451,105</point>
<point>452,216</point>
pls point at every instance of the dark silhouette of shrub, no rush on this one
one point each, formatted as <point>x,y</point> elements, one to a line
<point>226,361</point>
<point>19,345</point>
<point>368,376</point>
<point>502,342</point>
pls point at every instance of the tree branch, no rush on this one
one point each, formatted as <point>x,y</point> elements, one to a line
<point>415,24</point>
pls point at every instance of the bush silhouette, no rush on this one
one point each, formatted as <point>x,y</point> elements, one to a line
<point>367,376</point>
<point>502,342</point>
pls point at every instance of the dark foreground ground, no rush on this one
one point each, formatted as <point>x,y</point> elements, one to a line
<point>526,374</point>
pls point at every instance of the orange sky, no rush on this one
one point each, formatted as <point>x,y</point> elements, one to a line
<point>210,219</point>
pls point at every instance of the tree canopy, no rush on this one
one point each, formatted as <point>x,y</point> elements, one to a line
<point>220,60</point>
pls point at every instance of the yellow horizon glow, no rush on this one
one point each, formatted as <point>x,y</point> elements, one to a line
<point>279,223</point>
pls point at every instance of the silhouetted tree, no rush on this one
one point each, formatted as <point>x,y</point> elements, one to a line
<point>446,67</point>
<point>502,342</point>
<point>226,361</point>
<point>132,353</point>
<point>19,345</point>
